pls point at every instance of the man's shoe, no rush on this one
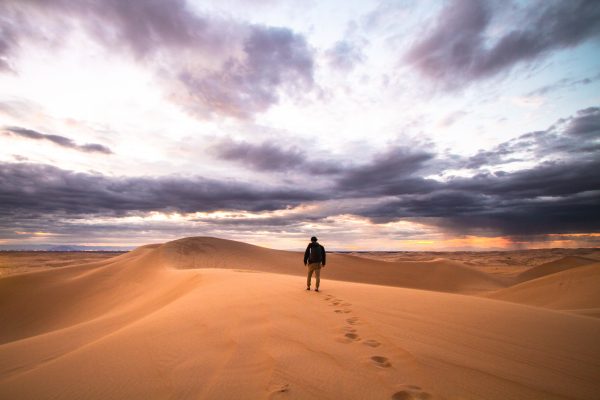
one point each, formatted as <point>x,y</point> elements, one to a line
<point>316,290</point>
<point>307,288</point>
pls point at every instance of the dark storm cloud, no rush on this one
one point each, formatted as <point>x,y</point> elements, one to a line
<point>460,49</point>
<point>553,197</point>
<point>32,189</point>
<point>345,55</point>
<point>393,172</point>
<point>56,139</point>
<point>559,194</point>
<point>208,65</point>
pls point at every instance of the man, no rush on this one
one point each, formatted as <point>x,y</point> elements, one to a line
<point>314,259</point>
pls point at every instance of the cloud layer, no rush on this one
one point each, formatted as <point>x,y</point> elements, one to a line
<point>558,195</point>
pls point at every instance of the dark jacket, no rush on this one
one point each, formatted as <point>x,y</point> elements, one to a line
<point>307,252</point>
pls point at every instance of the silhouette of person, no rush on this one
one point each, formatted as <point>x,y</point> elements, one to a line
<point>314,259</point>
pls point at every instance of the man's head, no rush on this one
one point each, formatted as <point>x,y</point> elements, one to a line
<point>313,239</point>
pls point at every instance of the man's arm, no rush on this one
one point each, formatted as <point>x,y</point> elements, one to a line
<point>306,254</point>
<point>323,248</point>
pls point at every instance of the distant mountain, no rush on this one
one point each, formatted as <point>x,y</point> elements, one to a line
<point>61,247</point>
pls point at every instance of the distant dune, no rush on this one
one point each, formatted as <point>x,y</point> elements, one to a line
<point>575,289</point>
<point>206,318</point>
<point>553,267</point>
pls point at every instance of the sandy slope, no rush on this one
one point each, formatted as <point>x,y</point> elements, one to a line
<point>142,326</point>
<point>574,289</point>
<point>555,266</point>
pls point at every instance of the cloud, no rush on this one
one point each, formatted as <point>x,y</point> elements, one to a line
<point>393,172</point>
<point>274,60</point>
<point>270,157</point>
<point>263,157</point>
<point>576,137</point>
<point>558,194</point>
<point>557,191</point>
<point>562,83</point>
<point>551,198</point>
<point>452,118</point>
<point>461,47</point>
<point>38,189</point>
<point>56,139</point>
<point>345,55</point>
<point>208,65</point>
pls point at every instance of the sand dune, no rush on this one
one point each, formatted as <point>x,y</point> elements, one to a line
<point>553,267</point>
<point>438,274</point>
<point>203,318</point>
<point>575,289</point>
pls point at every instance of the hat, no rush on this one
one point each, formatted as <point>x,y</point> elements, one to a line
<point>313,239</point>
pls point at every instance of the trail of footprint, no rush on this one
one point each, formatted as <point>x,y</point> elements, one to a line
<point>381,361</point>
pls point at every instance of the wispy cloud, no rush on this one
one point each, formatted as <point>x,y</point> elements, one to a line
<point>562,84</point>
<point>345,55</point>
<point>56,139</point>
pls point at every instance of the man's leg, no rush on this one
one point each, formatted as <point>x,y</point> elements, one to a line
<point>310,272</point>
<point>318,276</point>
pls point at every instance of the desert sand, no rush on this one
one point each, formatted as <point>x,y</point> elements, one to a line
<point>206,318</point>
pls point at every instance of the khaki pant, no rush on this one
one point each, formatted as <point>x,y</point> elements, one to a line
<point>316,268</point>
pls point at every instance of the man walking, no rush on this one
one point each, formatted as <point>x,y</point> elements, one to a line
<point>314,259</point>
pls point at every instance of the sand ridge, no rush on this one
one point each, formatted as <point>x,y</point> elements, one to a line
<point>204,318</point>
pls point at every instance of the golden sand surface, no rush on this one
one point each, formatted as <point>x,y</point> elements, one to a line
<point>206,318</point>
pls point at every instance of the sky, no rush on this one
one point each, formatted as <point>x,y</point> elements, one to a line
<point>374,125</point>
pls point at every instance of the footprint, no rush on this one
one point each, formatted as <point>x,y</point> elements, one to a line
<point>284,388</point>
<point>411,395</point>
<point>352,335</point>
<point>347,311</point>
<point>349,329</point>
<point>338,311</point>
<point>372,343</point>
<point>402,395</point>
<point>346,304</point>
<point>277,390</point>
<point>352,321</point>
<point>412,392</point>
<point>381,361</point>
